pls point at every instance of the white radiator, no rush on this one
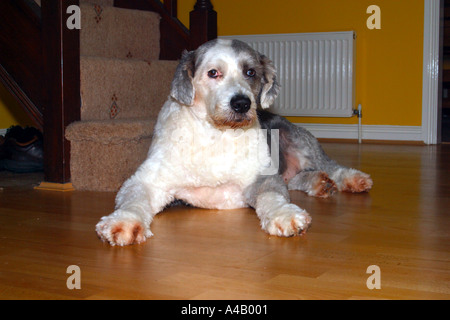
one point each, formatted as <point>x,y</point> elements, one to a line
<point>315,71</point>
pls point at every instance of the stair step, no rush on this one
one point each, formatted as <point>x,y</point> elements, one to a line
<point>106,153</point>
<point>105,3</point>
<point>110,132</point>
<point>120,89</point>
<point>119,33</point>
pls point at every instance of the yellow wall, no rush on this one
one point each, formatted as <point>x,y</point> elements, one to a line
<point>10,111</point>
<point>389,60</point>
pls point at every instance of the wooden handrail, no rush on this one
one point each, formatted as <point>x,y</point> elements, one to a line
<point>21,55</point>
<point>171,7</point>
<point>30,108</point>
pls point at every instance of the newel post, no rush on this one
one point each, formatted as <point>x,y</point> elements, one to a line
<point>203,23</point>
<point>61,87</point>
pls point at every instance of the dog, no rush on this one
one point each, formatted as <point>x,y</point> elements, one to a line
<point>215,146</point>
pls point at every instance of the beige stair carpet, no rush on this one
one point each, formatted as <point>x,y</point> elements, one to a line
<point>123,87</point>
<point>119,33</point>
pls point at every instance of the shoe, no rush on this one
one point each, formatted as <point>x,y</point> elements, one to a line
<point>23,150</point>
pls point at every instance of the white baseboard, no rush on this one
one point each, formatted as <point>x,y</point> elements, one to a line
<point>369,132</point>
<point>350,131</point>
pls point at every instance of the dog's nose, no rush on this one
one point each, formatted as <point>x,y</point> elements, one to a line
<point>240,103</point>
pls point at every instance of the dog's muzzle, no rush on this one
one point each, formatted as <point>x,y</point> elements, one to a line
<point>237,114</point>
<point>240,103</point>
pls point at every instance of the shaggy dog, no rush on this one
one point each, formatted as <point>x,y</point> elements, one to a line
<point>215,147</point>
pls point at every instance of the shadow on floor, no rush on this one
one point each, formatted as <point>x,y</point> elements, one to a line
<point>20,180</point>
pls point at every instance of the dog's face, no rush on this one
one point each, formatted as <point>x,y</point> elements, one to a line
<point>226,80</point>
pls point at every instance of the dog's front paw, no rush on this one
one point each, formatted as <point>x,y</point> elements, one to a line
<point>122,232</point>
<point>289,220</point>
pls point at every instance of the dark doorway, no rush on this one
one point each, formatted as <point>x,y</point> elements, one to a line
<point>445,133</point>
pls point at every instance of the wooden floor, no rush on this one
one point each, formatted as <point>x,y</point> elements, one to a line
<point>402,226</point>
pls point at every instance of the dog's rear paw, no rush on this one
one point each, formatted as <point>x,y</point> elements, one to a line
<point>357,182</point>
<point>122,232</point>
<point>288,221</point>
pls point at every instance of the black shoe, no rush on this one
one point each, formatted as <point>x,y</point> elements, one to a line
<point>23,150</point>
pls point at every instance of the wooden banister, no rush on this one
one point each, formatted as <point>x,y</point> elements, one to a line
<point>30,108</point>
<point>171,7</point>
<point>61,86</point>
<point>40,62</point>
<point>203,23</point>
<point>40,66</point>
<point>21,55</point>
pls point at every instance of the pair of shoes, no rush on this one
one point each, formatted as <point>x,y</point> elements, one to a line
<point>22,150</point>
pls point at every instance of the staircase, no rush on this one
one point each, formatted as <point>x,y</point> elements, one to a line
<point>123,86</point>
<point>123,81</point>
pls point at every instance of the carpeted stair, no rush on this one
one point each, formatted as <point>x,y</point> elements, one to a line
<point>123,86</point>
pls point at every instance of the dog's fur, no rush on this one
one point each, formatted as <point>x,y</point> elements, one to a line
<point>208,150</point>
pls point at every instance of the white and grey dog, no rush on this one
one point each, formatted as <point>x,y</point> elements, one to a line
<point>210,150</point>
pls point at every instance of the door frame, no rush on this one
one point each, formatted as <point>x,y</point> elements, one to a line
<point>432,71</point>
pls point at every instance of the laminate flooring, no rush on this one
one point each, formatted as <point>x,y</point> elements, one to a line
<point>402,226</point>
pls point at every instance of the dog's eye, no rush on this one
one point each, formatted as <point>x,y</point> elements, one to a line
<point>250,73</point>
<point>213,73</point>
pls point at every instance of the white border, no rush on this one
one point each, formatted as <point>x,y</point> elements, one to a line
<point>430,86</point>
<point>369,132</point>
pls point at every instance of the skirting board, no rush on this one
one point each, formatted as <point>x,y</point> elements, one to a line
<point>350,131</point>
<point>369,132</point>
<point>59,187</point>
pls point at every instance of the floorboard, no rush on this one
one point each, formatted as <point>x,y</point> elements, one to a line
<point>402,226</point>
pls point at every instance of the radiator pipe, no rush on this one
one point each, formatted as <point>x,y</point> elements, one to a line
<point>358,113</point>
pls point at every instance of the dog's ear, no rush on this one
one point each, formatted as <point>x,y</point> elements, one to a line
<point>182,88</point>
<point>270,86</point>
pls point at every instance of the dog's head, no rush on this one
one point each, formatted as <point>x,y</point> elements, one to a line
<point>226,80</point>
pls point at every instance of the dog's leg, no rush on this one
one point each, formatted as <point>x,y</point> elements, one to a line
<point>325,181</point>
<point>305,166</point>
<point>136,205</point>
<point>326,170</point>
<point>315,183</point>
<point>320,176</point>
<point>270,198</point>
